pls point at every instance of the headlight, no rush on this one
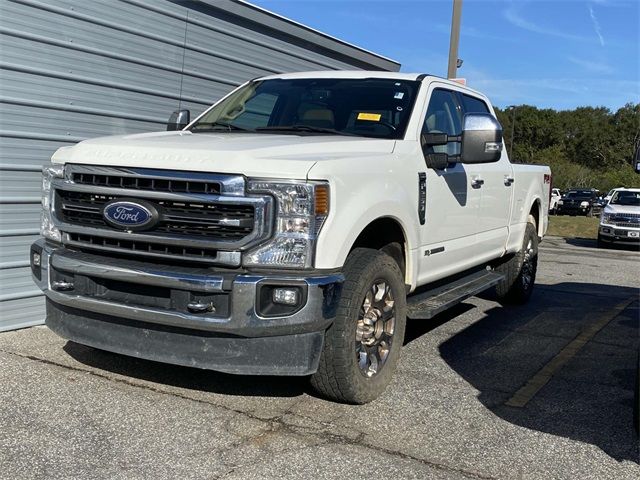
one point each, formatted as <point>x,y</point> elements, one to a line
<point>301,209</point>
<point>605,218</point>
<point>560,202</point>
<point>47,228</point>
<point>584,204</point>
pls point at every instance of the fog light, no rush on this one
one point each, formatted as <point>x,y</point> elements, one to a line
<point>285,296</point>
<point>36,259</point>
<point>606,230</point>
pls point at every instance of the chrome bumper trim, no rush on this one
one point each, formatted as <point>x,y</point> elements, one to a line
<point>155,277</point>
<point>316,315</point>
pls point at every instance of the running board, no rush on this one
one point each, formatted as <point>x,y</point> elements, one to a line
<point>428,304</point>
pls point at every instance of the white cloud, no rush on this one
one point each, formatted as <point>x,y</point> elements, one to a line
<point>596,25</point>
<point>513,16</point>
<point>560,93</point>
<point>592,66</point>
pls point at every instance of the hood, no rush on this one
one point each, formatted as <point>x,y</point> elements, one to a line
<point>622,209</point>
<point>254,155</point>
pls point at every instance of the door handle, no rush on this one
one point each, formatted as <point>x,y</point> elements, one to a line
<point>477,182</point>
<point>508,180</point>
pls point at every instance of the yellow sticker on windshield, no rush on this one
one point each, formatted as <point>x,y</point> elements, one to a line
<point>373,117</point>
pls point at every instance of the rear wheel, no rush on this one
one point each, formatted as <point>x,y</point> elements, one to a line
<point>520,270</point>
<point>362,346</point>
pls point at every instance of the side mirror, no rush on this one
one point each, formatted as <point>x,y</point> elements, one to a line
<point>178,120</point>
<point>437,161</point>
<point>481,139</point>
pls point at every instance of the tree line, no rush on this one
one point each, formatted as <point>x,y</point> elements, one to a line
<point>587,147</point>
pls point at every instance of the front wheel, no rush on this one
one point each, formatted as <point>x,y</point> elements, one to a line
<point>520,270</point>
<point>362,346</point>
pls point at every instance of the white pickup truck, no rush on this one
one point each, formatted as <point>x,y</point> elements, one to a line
<point>291,228</point>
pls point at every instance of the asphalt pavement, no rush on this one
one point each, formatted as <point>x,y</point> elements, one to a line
<point>483,391</point>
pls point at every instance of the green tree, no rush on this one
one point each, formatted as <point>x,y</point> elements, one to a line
<point>585,147</point>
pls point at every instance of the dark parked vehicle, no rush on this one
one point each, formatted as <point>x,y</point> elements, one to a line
<point>579,201</point>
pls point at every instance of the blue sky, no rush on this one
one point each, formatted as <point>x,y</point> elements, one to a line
<point>559,54</point>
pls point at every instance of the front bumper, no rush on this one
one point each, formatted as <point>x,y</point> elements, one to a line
<point>621,235</point>
<point>573,210</point>
<point>138,309</point>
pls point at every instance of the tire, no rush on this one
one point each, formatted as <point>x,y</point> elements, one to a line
<point>352,369</point>
<point>600,242</point>
<point>520,270</point>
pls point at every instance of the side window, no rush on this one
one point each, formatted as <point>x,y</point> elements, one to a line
<point>474,105</point>
<point>443,116</point>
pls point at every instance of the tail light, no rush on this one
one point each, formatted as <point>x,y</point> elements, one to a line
<point>548,178</point>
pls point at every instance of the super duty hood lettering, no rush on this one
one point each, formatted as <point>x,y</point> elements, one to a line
<point>259,155</point>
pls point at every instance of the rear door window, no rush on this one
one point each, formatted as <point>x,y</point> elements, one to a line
<point>473,105</point>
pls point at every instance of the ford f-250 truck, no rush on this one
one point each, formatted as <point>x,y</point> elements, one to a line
<point>291,228</point>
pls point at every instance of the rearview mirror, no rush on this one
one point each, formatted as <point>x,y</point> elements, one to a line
<point>481,139</point>
<point>178,120</point>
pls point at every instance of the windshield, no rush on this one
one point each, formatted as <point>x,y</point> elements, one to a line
<point>372,107</point>
<point>579,194</point>
<point>624,197</point>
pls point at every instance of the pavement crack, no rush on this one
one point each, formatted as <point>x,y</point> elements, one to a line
<point>124,381</point>
<point>277,423</point>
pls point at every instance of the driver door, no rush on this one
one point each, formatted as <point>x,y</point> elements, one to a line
<point>448,235</point>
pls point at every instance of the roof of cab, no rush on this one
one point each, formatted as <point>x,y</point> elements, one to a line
<point>627,189</point>
<point>361,74</point>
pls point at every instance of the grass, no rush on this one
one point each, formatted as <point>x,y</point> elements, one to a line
<point>573,227</point>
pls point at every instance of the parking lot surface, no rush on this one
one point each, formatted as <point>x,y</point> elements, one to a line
<point>483,391</point>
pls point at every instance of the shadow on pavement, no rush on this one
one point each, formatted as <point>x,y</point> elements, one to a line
<point>186,377</point>
<point>591,243</point>
<point>582,242</point>
<point>417,328</point>
<point>590,397</point>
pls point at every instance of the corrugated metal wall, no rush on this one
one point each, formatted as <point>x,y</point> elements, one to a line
<point>76,69</point>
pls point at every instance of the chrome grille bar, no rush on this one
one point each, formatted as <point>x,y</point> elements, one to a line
<point>195,226</point>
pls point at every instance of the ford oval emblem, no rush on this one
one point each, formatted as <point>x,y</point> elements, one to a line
<point>130,215</point>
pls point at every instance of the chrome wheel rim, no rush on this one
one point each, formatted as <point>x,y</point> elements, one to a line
<point>375,328</point>
<point>528,266</point>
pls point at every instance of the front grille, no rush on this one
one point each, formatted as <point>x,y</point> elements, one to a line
<point>629,220</point>
<point>208,220</point>
<point>143,183</point>
<point>144,248</point>
<point>202,217</point>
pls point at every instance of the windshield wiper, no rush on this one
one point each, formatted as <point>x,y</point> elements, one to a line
<point>303,128</point>
<point>216,126</point>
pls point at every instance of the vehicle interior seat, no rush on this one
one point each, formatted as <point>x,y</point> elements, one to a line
<point>318,116</point>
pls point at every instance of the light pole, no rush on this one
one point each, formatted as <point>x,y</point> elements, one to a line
<point>455,39</point>
<point>513,124</point>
